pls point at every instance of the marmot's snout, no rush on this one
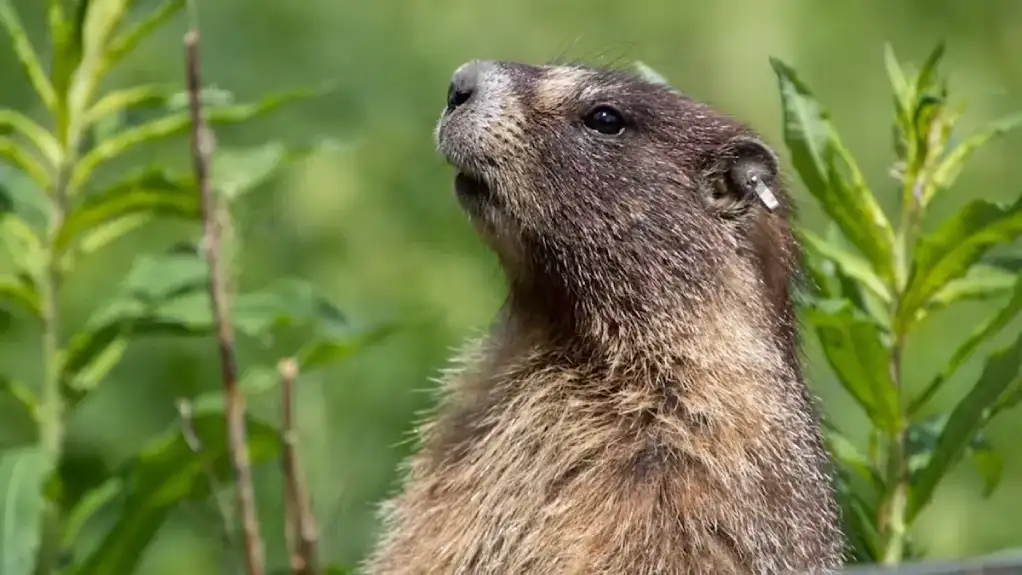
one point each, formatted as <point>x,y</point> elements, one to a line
<point>474,128</point>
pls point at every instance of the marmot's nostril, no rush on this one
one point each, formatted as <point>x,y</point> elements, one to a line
<point>463,85</point>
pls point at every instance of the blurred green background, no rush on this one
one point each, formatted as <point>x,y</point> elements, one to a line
<point>375,226</point>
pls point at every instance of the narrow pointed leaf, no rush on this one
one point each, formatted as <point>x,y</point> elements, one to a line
<point>40,138</point>
<point>830,173</point>
<point>102,18</point>
<point>851,264</point>
<point>17,156</point>
<point>149,96</point>
<point>18,414</point>
<point>986,331</point>
<point>23,475</point>
<point>22,244</point>
<point>27,56</point>
<point>1002,369</point>
<point>851,458</point>
<point>65,51</point>
<point>328,351</point>
<point>172,125</point>
<point>17,293</point>
<point>895,74</point>
<point>127,42</point>
<point>928,73</point>
<point>852,345</point>
<point>241,170</point>
<point>981,282</point>
<point>162,476</point>
<point>152,192</point>
<point>948,252</point>
<point>88,506</point>
<point>989,464</point>
<point>947,171</point>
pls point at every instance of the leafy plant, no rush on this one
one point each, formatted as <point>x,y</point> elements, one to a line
<point>56,210</point>
<point>874,284</point>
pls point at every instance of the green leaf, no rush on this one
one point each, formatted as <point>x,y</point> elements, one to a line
<point>928,73</point>
<point>852,345</point>
<point>989,464</point>
<point>173,125</point>
<point>1001,370</point>
<point>18,293</point>
<point>650,75</point>
<point>830,172</point>
<point>156,96</point>
<point>902,128</point>
<point>857,516</point>
<point>100,21</point>
<point>981,334</point>
<point>153,194</point>
<point>850,263</point>
<point>93,353</point>
<point>38,135</point>
<point>66,49</point>
<point>27,56</point>
<point>851,458</point>
<point>21,196</point>
<point>22,243</point>
<point>238,171</point>
<point>327,351</point>
<point>16,156</point>
<point>163,475</point>
<point>158,278</point>
<point>23,475</point>
<point>948,252</point>
<point>127,43</point>
<point>981,282</point>
<point>88,506</point>
<point>947,171</point>
<point>895,74</point>
<point>285,303</point>
<point>18,413</point>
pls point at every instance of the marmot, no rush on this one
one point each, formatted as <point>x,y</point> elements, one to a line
<point>638,407</point>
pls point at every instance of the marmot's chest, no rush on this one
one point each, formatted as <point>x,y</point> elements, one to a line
<point>520,498</point>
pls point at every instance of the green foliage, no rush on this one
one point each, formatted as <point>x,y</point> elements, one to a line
<point>869,296</point>
<point>54,213</point>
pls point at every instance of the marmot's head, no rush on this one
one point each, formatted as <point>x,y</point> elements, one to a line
<point>612,200</point>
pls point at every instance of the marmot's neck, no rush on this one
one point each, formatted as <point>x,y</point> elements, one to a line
<point>732,326</point>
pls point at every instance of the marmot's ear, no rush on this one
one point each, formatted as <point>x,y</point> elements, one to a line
<point>743,174</point>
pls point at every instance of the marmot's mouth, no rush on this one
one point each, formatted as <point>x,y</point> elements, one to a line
<point>470,188</point>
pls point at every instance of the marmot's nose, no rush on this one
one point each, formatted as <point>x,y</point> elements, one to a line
<point>465,82</point>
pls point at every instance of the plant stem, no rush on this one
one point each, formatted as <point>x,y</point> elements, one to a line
<point>52,405</point>
<point>202,151</point>
<point>893,520</point>
<point>300,527</point>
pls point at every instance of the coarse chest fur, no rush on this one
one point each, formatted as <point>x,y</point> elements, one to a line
<point>639,407</point>
<point>704,464</point>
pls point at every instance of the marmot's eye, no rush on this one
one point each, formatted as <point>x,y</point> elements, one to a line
<point>605,120</point>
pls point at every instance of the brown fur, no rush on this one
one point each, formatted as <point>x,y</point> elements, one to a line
<point>639,406</point>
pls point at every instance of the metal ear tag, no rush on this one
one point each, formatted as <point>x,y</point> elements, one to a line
<point>763,191</point>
